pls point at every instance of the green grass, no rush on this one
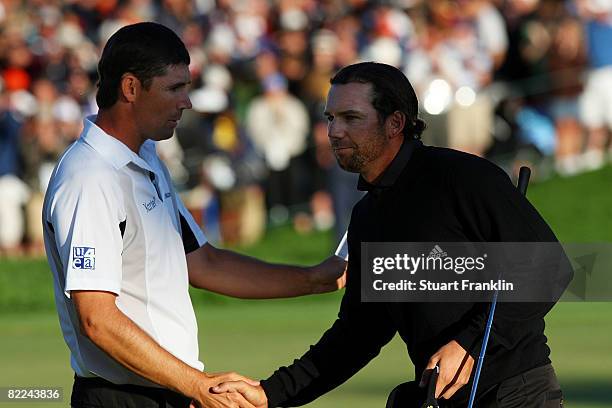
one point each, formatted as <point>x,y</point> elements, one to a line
<point>255,337</point>
<point>579,209</point>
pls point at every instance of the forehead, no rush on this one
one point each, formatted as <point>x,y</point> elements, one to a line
<point>351,96</point>
<point>174,74</point>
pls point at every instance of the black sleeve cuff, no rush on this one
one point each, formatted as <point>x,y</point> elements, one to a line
<point>471,341</point>
<point>274,389</point>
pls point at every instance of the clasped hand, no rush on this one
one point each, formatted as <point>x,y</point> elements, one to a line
<point>249,391</point>
<point>229,390</point>
<point>328,276</point>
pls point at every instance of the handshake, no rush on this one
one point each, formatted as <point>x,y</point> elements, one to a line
<point>229,390</point>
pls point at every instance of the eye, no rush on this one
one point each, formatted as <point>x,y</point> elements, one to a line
<point>329,118</point>
<point>178,87</point>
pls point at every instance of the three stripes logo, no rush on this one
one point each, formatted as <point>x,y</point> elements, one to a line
<point>437,252</point>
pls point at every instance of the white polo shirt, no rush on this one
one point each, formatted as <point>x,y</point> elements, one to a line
<point>113,222</point>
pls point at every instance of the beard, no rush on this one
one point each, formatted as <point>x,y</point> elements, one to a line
<point>353,163</point>
<point>361,155</point>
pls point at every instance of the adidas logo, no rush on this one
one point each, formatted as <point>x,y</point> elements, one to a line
<point>437,252</point>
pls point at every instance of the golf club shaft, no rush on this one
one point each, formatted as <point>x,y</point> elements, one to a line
<point>523,182</point>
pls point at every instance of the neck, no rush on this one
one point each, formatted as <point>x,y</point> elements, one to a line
<point>378,166</point>
<point>121,126</point>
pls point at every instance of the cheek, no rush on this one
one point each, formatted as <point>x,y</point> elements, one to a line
<point>360,135</point>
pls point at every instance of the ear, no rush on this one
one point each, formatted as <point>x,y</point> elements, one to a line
<point>130,87</point>
<point>394,124</point>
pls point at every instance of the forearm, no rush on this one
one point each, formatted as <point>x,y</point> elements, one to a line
<point>128,344</point>
<point>326,365</point>
<point>353,340</point>
<point>236,275</point>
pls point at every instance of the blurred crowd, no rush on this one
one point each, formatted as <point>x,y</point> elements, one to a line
<point>517,81</point>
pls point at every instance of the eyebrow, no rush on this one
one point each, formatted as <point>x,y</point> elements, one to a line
<point>179,84</point>
<point>344,113</point>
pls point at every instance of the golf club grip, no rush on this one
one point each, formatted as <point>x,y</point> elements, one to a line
<point>523,179</point>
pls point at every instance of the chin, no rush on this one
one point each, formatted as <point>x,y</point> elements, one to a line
<point>162,135</point>
<point>348,166</point>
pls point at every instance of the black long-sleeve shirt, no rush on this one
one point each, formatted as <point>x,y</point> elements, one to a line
<point>427,194</point>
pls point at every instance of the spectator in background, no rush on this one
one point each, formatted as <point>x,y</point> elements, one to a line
<point>278,125</point>
<point>596,101</point>
<point>451,66</point>
<point>525,71</point>
<point>334,192</point>
<point>292,40</point>
<point>225,170</point>
<point>490,28</point>
<point>13,191</point>
<point>566,62</point>
<point>450,51</point>
<point>43,139</point>
<point>80,89</point>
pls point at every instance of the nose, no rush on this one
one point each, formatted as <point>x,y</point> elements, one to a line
<point>334,129</point>
<point>186,103</point>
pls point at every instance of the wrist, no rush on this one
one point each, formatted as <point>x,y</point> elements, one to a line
<point>198,385</point>
<point>312,284</point>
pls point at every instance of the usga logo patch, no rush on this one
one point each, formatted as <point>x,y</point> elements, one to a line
<point>84,258</point>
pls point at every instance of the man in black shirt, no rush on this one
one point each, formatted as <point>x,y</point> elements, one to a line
<point>418,193</point>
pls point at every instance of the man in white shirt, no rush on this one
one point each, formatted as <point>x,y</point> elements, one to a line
<point>123,249</point>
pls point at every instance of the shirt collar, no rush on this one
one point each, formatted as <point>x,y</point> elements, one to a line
<point>393,171</point>
<point>111,149</point>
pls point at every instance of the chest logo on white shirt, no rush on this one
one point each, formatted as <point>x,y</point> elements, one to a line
<point>150,204</point>
<point>83,258</point>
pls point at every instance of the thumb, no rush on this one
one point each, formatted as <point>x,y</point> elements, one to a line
<point>433,361</point>
<point>233,386</point>
<point>229,386</point>
<point>249,381</point>
<point>253,395</point>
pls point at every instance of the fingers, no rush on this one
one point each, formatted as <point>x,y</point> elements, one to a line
<point>255,395</point>
<point>328,276</point>
<point>455,365</point>
<point>241,401</point>
<point>341,281</point>
<point>433,361</point>
<point>452,390</point>
<point>229,386</point>
<point>452,376</point>
<point>449,377</point>
<point>232,376</point>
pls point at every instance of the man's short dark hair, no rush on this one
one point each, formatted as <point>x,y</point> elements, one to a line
<point>391,91</point>
<point>145,50</point>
